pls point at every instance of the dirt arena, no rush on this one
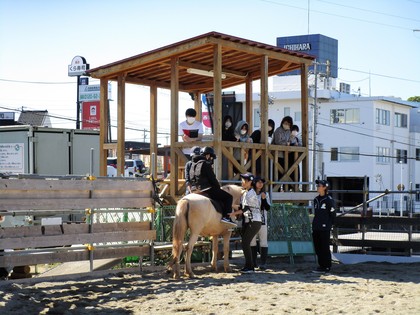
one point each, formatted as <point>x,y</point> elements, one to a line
<point>371,288</point>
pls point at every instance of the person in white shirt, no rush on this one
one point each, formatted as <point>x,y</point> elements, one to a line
<point>262,234</point>
<point>191,129</point>
<point>250,209</point>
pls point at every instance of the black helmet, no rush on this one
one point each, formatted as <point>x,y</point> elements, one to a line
<point>195,151</point>
<point>208,150</point>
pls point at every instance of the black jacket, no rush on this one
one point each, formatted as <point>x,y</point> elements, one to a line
<point>324,213</point>
<point>202,175</point>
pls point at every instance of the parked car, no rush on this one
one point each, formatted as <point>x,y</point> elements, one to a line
<point>132,168</point>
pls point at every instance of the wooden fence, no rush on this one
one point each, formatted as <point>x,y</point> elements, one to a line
<point>69,241</point>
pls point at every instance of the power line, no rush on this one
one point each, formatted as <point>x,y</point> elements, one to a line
<point>380,75</point>
<point>337,15</point>
<point>35,82</point>
<point>371,11</point>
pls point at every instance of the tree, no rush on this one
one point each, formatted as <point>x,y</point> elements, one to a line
<point>414,99</point>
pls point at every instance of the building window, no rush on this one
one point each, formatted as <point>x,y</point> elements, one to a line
<point>298,116</point>
<point>287,111</point>
<point>383,155</point>
<point>401,156</point>
<point>417,154</point>
<point>349,154</point>
<point>417,192</point>
<point>383,117</point>
<point>345,116</point>
<point>345,154</point>
<point>400,120</point>
<point>257,118</point>
<point>334,154</point>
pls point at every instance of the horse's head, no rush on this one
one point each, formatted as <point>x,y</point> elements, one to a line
<point>236,192</point>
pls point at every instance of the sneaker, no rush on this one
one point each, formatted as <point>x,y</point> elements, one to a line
<point>247,270</point>
<point>262,267</point>
<point>321,270</point>
<point>228,222</point>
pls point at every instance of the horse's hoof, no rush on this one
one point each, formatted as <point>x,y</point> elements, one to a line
<point>190,275</point>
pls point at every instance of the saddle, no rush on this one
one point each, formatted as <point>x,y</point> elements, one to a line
<point>216,203</point>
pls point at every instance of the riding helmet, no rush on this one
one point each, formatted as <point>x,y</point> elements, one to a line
<point>208,150</point>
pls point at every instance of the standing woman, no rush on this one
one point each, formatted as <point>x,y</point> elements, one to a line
<point>262,233</point>
<point>250,210</point>
<point>321,226</point>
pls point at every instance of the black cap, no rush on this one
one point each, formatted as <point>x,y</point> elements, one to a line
<point>248,176</point>
<point>259,178</point>
<point>322,182</point>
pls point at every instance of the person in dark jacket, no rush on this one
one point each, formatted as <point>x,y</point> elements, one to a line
<point>202,178</point>
<point>194,151</point>
<point>321,226</point>
<point>228,129</point>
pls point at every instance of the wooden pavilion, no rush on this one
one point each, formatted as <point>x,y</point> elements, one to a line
<point>208,63</point>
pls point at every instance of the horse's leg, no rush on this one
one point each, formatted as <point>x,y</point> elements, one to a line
<point>226,244</point>
<point>189,250</point>
<point>215,251</point>
<point>176,252</point>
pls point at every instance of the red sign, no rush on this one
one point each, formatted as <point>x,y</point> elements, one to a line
<point>206,119</point>
<point>90,115</point>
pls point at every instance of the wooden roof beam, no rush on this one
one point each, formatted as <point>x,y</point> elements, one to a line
<point>260,51</point>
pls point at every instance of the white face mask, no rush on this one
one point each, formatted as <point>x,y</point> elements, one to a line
<point>294,133</point>
<point>286,126</point>
<point>243,132</point>
<point>228,124</point>
<point>190,120</point>
<point>270,128</point>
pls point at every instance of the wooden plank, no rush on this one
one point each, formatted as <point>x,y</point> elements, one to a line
<point>56,204</point>
<point>153,130</point>
<point>73,255</point>
<point>82,238</point>
<point>74,194</point>
<point>66,229</point>
<point>304,111</point>
<point>54,185</point>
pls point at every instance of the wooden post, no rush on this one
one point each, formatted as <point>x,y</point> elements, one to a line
<point>197,106</point>
<point>217,119</point>
<point>174,125</point>
<point>264,115</point>
<point>153,129</point>
<point>304,111</point>
<point>103,129</point>
<point>248,102</point>
<point>121,126</point>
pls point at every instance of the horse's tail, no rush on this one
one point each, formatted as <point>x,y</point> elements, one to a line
<point>179,229</point>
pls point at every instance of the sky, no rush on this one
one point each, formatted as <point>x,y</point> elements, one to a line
<point>378,51</point>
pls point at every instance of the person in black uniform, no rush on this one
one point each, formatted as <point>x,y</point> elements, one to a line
<point>321,226</point>
<point>202,178</point>
<point>194,151</point>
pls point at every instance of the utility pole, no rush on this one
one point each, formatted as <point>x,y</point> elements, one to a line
<point>314,123</point>
<point>315,114</point>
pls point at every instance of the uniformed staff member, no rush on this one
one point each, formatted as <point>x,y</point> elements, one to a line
<point>202,178</point>
<point>321,226</point>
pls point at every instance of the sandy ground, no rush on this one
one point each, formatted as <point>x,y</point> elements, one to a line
<point>283,289</point>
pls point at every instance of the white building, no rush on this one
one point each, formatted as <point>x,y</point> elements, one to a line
<point>376,137</point>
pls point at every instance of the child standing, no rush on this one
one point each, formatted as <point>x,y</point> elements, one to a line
<point>262,233</point>
<point>250,210</point>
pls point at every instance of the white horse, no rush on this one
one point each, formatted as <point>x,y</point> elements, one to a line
<point>197,213</point>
